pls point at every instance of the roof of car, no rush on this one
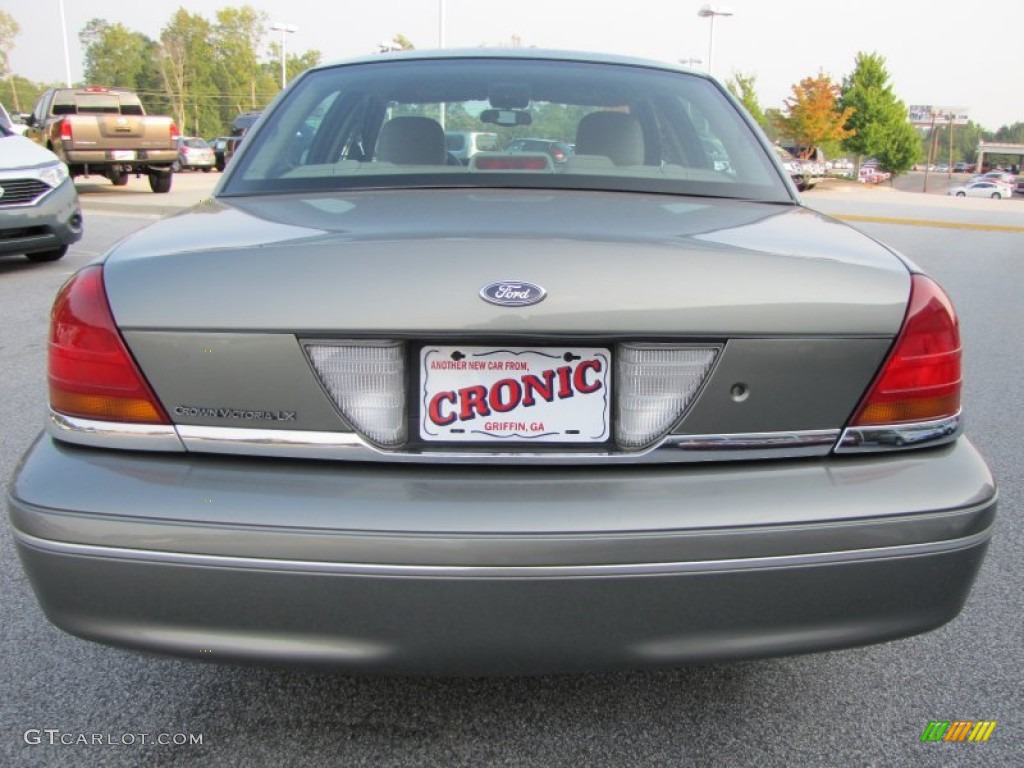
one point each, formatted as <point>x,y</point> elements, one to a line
<point>533,54</point>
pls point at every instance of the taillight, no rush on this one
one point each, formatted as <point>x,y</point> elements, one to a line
<point>91,373</point>
<point>65,131</point>
<point>175,133</point>
<point>920,380</point>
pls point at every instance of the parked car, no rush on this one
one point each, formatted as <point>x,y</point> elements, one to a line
<point>993,189</point>
<point>462,145</point>
<point>998,177</point>
<point>9,122</point>
<point>560,151</point>
<point>195,154</point>
<point>371,410</point>
<point>39,211</point>
<point>962,168</point>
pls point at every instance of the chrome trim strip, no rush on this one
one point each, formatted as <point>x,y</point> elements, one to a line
<point>350,446</point>
<point>472,571</point>
<point>897,437</point>
<point>113,434</point>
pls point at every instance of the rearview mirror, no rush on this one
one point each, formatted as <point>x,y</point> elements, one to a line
<point>507,117</point>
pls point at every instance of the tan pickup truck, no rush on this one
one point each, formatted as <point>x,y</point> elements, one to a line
<point>105,131</point>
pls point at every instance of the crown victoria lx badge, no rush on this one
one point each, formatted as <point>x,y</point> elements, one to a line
<point>513,293</point>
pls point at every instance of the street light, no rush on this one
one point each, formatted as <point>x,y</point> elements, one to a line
<point>709,12</point>
<point>284,29</point>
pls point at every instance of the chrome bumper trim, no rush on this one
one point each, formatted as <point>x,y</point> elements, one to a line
<point>900,436</point>
<point>112,434</point>
<point>505,571</point>
<point>350,446</point>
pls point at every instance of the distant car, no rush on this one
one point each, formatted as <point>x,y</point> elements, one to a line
<point>10,123</point>
<point>942,168</point>
<point>369,409</point>
<point>560,151</point>
<point>993,189</point>
<point>462,145</point>
<point>999,177</point>
<point>39,211</point>
<point>962,168</point>
<point>194,154</point>
<point>219,146</point>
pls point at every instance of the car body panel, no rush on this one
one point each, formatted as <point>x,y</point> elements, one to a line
<point>757,444</point>
<point>731,268</point>
<point>50,221</point>
<point>499,559</point>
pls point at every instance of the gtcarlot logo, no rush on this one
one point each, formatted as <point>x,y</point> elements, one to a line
<point>57,737</point>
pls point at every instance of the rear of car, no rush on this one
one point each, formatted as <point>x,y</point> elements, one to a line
<point>379,411</point>
<point>39,211</point>
<point>195,154</point>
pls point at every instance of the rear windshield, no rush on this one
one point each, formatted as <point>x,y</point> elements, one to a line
<point>382,124</point>
<point>98,103</point>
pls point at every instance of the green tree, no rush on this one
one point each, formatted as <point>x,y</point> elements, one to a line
<point>187,65</point>
<point>743,87</point>
<point>900,149</point>
<point>812,118</point>
<point>876,110</point>
<point>9,30</point>
<point>242,82</point>
<point>114,55</point>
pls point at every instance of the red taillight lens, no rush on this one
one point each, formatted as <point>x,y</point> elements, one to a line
<point>175,133</point>
<point>65,131</point>
<point>91,373</point>
<point>920,380</point>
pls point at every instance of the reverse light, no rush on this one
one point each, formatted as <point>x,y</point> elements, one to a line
<point>367,383</point>
<point>920,380</point>
<point>655,384</point>
<point>91,373</point>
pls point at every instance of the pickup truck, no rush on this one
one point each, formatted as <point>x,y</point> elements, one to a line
<point>105,131</point>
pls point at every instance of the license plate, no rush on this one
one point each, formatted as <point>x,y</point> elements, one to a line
<point>508,394</point>
<point>122,154</point>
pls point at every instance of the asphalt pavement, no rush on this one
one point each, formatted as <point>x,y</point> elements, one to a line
<point>66,702</point>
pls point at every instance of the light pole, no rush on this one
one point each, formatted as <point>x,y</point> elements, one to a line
<point>64,38</point>
<point>284,29</point>
<point>709,12</point>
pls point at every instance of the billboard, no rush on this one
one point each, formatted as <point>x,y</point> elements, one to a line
<point>928,114</point>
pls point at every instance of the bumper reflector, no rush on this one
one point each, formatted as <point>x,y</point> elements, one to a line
<point>655,385</point>
<point>366,382</point>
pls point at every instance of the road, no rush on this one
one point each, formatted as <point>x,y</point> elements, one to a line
<point>861,707</point>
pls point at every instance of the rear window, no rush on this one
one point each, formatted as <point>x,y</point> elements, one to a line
<point>383,124</point>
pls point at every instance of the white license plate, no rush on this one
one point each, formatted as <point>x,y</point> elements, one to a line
<point>122,154</point>
<point>508,394</point>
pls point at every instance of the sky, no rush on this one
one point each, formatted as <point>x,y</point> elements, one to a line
<point>928,47</point>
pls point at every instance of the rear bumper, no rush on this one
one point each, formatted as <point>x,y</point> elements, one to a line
<point>410,570</point>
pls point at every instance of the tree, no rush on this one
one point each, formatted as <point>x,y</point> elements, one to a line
<point>114,55</point>
<point>900,149</point>
<point>743,88</point>
<point>243,83</point>
<point>9,30</point>
<point>187,64</point>
<point>811,117</point>
<point>876,110</point>
<point>403,43</point>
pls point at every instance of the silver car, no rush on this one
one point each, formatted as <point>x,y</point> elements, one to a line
<point>373,410</point>
<point>40,216</point>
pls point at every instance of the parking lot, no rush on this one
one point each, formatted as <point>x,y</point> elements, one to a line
<point>69,702</point>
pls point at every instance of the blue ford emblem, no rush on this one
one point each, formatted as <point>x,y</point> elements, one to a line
<point>513,293</point>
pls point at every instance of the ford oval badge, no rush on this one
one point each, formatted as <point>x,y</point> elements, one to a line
<point>513,293</point>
